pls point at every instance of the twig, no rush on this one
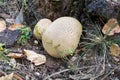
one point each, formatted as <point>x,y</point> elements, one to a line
<point>109,73</point>
<point>65,70</point>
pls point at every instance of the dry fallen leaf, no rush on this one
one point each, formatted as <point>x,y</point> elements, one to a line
<point>15,55</point>
<point>37,59</point>
<point>115,50</point>
<point>2,25</point>
<point>7,77</point>
<point>111,27</point>
<point>15,26</point>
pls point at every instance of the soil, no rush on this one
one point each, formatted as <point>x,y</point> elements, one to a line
<point>92,63</point>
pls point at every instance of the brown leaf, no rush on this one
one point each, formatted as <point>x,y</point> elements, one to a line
<point>115,50</point>
<point>7,77</point>
<point>2,25</point>
<point>111,27</point>
<point>37,59</point>
<point>15,26</point>
<point>15,55</point>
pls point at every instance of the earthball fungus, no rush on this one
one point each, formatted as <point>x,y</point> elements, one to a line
<point>40,27</point>
<point>62,37</point>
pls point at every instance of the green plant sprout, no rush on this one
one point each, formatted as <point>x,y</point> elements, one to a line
<point>113,40</point>
<point>25,4</point>
<point>2,49</point>
<point>1,2</point>
<point>24,36</point>
<point>95,37</point>
<point>3,52</point>
<point>99,43</point>
<point>1,46</point>
<point>62,54</point>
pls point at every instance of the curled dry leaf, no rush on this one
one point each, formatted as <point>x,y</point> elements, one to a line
<point>15,55</point>
<point>115,50</point>
<point>2,25</point>
<point>37,59</point>
<point>111,27</point>
<point>7,77</point>
<point>15,26</point>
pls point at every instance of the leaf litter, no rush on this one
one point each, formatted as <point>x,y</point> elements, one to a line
<point>89,65</point>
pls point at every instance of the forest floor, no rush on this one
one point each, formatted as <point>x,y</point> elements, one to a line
<point>92,59</point>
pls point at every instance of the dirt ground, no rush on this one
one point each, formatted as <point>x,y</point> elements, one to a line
<point>90,61</point>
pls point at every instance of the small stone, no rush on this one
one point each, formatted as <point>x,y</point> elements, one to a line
<point>13,61</point>
<point>35,42</point>
<point>37,74</point>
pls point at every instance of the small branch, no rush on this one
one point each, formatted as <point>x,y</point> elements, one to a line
<point>65,70</point>
<point>109,73</point>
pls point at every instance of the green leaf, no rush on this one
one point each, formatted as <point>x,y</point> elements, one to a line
<point>1,46</point>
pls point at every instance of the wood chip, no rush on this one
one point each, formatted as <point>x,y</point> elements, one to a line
<point>2,25</point>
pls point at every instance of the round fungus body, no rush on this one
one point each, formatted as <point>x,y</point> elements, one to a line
<point>62,37</point>
<point>40,27</point>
